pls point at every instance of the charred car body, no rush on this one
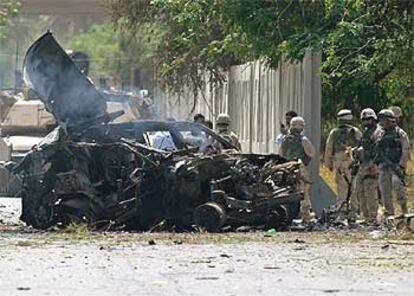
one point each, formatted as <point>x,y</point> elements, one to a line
<point>114,175</point>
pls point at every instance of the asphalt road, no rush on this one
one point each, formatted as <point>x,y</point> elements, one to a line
<point>10,209</point>
<point>291,263</point>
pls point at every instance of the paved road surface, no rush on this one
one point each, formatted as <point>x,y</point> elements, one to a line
<point>58,263</point>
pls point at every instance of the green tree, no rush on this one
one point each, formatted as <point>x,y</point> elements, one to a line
<point>104,48</point>
<point>8,8</point>
<point>195,39</point>
<point>114,53</point>
<point>366,45</point>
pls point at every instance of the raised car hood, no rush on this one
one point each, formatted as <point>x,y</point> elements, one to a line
<point>64,90</point>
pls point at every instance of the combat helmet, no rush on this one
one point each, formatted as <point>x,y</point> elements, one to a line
<point>223,119</point>
<point>387,114</point>
<point>344,115</point>
<point>396,110</point>
<point>297,123</point>
<point>368,113</point>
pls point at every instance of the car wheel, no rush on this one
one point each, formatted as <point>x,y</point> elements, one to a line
<point>210,216</point>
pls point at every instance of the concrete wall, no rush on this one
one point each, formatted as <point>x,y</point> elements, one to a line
<point>257,98</point>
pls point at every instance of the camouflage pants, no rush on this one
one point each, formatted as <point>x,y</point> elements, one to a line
<point>366,189</point>
<point>389,181</point>
<point>344,181</point>
<point>305,205</point>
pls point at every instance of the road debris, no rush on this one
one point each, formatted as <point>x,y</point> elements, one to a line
<point>271,232</point>
<point>402,222</point>
<point>298,241</point>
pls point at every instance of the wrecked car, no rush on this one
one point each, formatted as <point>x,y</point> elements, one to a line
<point>140,175</point>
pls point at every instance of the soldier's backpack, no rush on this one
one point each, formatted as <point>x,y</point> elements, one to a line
<point>293,149</point>
<point>344,136</point>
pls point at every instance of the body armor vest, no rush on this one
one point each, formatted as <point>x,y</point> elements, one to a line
<point>293,149</point>
<point>389,147</point>
<point>344,136</point>
<point>368,143</point>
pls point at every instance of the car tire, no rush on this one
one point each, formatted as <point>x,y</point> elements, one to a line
<point>210,216</point>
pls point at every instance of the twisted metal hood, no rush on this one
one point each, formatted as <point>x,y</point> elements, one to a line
<point>68,94</point>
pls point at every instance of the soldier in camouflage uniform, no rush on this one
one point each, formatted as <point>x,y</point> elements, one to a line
<point>337,159</point>
<point>366,181</point>
<point>296,146</point>
<point>223,129</point>
<point>284,128</point>
<point>399,120</point>
<point>392,152</point>
<point>398,114</point>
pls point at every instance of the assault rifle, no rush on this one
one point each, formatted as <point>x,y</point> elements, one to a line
<point>355,155</point>
<point>331,214</point>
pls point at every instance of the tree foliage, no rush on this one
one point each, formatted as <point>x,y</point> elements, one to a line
<point>8,8</point>
<point>366,45</point>
<point>105,50</point>
<point>113,54</point>
<point>196,40</point>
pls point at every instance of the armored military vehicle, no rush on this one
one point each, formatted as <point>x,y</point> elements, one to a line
<point>24,121</point>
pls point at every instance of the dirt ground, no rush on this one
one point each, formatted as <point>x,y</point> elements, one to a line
<point>79,262</point>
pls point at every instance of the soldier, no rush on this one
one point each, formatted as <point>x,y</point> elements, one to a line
<point>392,152</point>
<point>223,129</point>
<point>199,118</point>
<point>296,146</point>
<point>399,120</point>
<point>209,124</point>
<point>285,127</point>
<point>337,158</point>
<point>366,182</point>
<point>398,114</point>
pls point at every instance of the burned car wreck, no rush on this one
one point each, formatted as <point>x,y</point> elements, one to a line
<point>114,176</point>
